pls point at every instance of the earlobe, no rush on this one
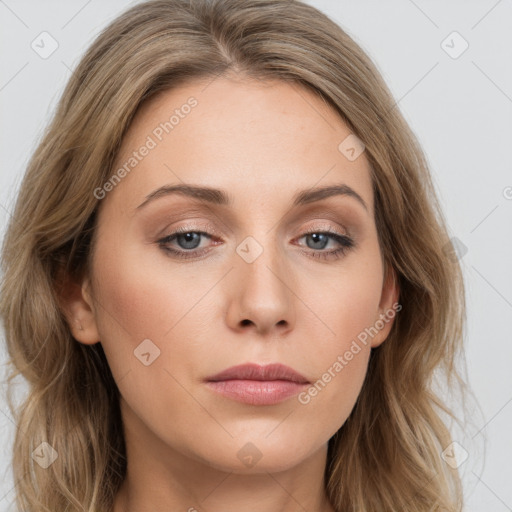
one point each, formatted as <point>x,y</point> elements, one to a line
<point>77,306</point>
<point>388,307</point>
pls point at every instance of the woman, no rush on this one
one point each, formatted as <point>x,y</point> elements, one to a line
<point>228,280</point>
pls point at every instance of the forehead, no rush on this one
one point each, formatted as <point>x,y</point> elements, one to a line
<point>261,140</point>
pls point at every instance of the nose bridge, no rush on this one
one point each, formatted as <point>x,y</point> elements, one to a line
<point>262,292</point>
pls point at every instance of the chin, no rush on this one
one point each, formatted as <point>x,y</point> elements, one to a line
<point>260,454</point>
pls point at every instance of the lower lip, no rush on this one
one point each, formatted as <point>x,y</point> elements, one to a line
<point>257,392</point>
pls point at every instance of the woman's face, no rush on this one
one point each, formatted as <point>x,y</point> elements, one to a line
<point>246,285</point>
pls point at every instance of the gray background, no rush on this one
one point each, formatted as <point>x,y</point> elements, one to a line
<point>460,109</point>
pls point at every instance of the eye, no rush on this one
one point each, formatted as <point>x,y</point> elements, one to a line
<point>320,239</point>
<point>188,240</point>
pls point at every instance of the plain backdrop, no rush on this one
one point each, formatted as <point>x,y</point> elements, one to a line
<point>449,66</point>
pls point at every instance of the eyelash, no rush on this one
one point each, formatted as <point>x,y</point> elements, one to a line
<point>346,243</point>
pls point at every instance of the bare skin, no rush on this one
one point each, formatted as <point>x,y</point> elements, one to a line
<point>261,142</point>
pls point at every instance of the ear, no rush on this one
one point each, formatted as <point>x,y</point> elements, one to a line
<point>76,304</point>
<point>388,307</point>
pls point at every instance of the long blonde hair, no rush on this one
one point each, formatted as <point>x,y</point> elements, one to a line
<point>387,455</point>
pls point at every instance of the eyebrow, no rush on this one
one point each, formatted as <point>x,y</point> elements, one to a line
<point>222,198</point>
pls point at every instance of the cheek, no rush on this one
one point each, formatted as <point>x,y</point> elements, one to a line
<point>348,310</point>
<point>132,305</point>
<point>348,305</point>
<point>141,315</point>
<point>341,362</point>
<point>139,295</point>
<point>142,297</point>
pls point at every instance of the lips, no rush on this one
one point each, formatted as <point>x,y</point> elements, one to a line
<point>269,372</point>
<point>258,385</point>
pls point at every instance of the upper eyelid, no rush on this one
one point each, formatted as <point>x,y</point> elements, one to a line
<point>340,221</point>
<point>212,231</point>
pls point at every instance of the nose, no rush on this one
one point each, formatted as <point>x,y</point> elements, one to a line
<point>260,295</point>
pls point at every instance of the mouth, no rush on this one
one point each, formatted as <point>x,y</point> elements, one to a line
<point>258,385</point>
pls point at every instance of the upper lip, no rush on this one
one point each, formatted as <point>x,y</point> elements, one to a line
<point>254,371</point>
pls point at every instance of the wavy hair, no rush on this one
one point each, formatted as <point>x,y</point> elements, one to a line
<point>387,455</point>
